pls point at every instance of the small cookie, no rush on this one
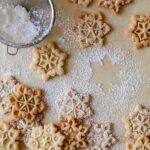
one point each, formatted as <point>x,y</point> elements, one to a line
<point>74,104</point>
<point>49,61</point>
<point>8,137</point>
<point>91,29</point>
<point>100,136</point>
<point>45,138</point>
<point>139,30</point>
<point>7,86</point>
<point>24,127</point>
<point>142,143</point>
<point>26,103</point>
<point>75,134</point>
<point>138,122</point>
<point>84,3</point>
<point>115,5</point>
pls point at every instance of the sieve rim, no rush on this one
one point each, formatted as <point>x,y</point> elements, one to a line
<point>11,44</point>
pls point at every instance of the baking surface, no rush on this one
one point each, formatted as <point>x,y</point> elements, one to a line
<point>124,70</point>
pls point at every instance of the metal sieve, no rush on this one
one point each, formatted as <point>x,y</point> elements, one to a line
<point>42,14</point>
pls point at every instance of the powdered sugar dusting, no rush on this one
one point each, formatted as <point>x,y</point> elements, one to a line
<point>14,23</point>
<point>105,103</point>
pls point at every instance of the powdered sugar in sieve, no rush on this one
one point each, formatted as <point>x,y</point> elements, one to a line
<point>26,22</point>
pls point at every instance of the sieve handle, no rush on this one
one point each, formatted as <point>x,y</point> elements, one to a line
<point>13,53</point>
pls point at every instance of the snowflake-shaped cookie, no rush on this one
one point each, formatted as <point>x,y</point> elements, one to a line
<point>84,3</point>
<point>115,5</point>
<point>91,29</point>
<point>139,30</point>
<point>74,104</point>
<point>75,134</point>
<point>49,61</point>
<point>8,137</point>
<point>45,138</point>
<point>7,86</point>
<point>100,136</point>
<point>24,127</point>
<point>142,143</point>
<point>26,103</point>
<point>138,122</point>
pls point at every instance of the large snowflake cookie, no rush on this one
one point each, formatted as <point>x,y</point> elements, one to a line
<point>8,137</point>
<point>115,5</point>
<point>7,86</point>
<point>84,3</point>
<point>74,104</point>
<point>75,134</point>
<point>100,136</point>
<point>26,103</point>
<point>49,61</point>
<point>139,30</point>
<point>91,29</point>
<point>138,122</point>
<point>142,143</point>
<point>45,138</point>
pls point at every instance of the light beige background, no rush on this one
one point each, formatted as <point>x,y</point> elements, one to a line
<point>18,65</point>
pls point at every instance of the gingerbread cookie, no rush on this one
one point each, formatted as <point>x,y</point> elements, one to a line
<point>45,138</point>
<point>26,103</point>
<point>115,5</point>
<point>8,137</point>
<point>49,61</point>
<point>139,30</point>
<point>74,104</point>
<point>100,136</point>
<point>91,29</point>
<point>75,134</point>
<point>84,3</point>
<point>138,122</point>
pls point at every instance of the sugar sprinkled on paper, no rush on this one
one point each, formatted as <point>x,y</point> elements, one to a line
<point>108,105</point>
<point>15,25</point>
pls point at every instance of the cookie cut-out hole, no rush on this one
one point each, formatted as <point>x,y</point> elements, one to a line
<point>105,73</point>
